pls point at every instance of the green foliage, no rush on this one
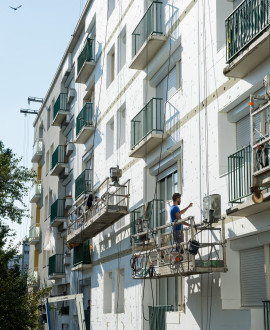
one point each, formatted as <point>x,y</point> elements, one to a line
<point>18,305</point>
<point>13,185</point>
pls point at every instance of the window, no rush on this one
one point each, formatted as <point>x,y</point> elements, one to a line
<point>119,291</point>
<point>107,293</point>
<point>168,183</point>
<point>122,49</point>
<point>47,162</point>
<point>110,66</point>
<point>170,292</point>
<point>111,6</point>
<point>109,138</point>
<point>169,85</point>
<point>121,126</point>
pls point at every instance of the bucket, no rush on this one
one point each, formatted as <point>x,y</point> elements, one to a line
<point>193,247</point>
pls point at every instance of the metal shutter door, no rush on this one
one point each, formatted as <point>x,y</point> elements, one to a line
<point>162,86</point>
<point>242,132</point>
<point>252,277</point>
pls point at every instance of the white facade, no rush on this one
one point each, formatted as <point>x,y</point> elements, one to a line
<point>204,113</point>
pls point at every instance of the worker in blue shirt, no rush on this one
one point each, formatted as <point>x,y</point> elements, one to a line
<point>176,213</point>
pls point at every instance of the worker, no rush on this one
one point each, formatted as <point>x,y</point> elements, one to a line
<point>176,214</point>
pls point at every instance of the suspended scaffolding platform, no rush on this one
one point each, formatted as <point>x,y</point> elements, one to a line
<point>156,255</point>
<point>111,207</point>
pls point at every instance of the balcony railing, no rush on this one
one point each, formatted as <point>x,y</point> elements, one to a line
<point>58,157</point>
<point>34,233</point>
<point>35,192</point>
<point>266,311</point>
<point>83,183</point>
<point>82,254</point>
<point>60,104</point>
<point>37,150</point>
<point>85,118</point>
<point>246,22</point>
<point>157,316</point>
<point>56,265</point>
<point>87,54</point>
<point>239,177</point>
<point>57,210</point>
<point>149,119</point>
<point>147,216</point>
<point>150,24</point>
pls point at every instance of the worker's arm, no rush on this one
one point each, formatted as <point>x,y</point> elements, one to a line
<point>184,210</point>
<point>178,217</point>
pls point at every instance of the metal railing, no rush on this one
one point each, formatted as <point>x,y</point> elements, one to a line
<point>38,146</point>
<point>149,119</point>
<point>84,183</point>
<point>113,196</point>
<point>82,254</point>
<point>34,232</point>
<point>245,23</point>
<point>57,209</point>
<point>56,264</point>
<point>85,117</point>
<point>58,156</point>
<point>157,316</point>
<point>36,189</point>
<point>87,54</point>
<point>239,175</point>
<point>150,24</point>
<point>266,311</point>
<point>60,104</point>
<point>152,212</point>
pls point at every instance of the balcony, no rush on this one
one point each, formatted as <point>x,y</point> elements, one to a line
<point>81,256</point>
<point>85,124</point>
<point>266,311</point>
<point>60,110</point>
<point>33,278</point>
<point>148,37</point>
<point>58,213</point>
<point>111,207</point>
<point>239,180</point>
<point>147,129</point>
<point>247,37</point>
<point>56,267</point>
<point>37,151</point>
<point>86,62</point>
<point>34,234</point>
<point>83,183</point>
<point>59,160</point>
<point>147,216</point>
<point>35,192</point>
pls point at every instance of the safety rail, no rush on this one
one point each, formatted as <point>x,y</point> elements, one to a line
<point>87,54</point>
<point>266,311</point>
<point>85,117</point>
<point>56,265</point>
<point>82,254</point>
<point>58,211</point>
<point>148,120</point>
<point>104,212</point>
<point>34,233</point>
<point>150,24</point>
<point>245,24</point>
<point>84,183</point>
<point>60,104</point>
<point>58,156</point>
<point>239,174</point>
<point>165,257</point>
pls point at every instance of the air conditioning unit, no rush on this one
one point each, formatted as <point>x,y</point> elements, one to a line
<point>69,148</point>
<point>68,202</point>
<point>71,95</point>
<point>212,208</point>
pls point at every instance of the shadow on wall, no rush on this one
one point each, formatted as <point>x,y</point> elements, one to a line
<point>98,70</point>
<point>204,302</point>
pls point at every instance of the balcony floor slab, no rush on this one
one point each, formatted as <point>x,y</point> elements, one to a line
<point>60,117</point>
<point>147,144</point>
<point>84,134</point>
<point>58,221</point>
<point>85,72</point>
<point>58,168</point>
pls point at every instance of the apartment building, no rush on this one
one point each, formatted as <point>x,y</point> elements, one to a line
<point>152,98</point>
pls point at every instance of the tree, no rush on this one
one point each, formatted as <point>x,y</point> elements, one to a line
<point>18,305</point>
<point>14,181</point>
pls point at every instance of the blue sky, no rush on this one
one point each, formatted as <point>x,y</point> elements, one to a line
<point>33,40</point>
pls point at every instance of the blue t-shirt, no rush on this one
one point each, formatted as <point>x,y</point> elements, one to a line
<point>175,209</point>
